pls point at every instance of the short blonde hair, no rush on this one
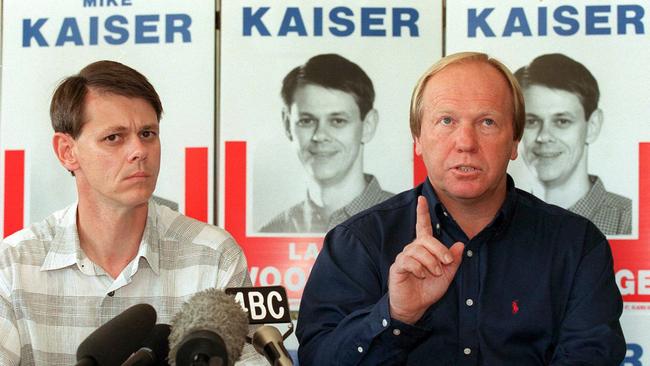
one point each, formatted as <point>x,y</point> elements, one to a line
<point>519,111</point>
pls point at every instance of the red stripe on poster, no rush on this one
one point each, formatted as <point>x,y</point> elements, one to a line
<point>196,183</point>
<point>284,261</point>
<point>14,197</point>
<point>419,170</point>
<point>235,190</point>
<point>632,257</point>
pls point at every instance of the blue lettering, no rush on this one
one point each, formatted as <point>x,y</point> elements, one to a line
<point>367,21</point>
<point>559,16</point>
<point>348,25</point>
<point>110,25</point>
<point>94,26</point>
<point>292,22</point>
<point>178,23</point>
<point>255,20</point>
<point>126,3</point>
<point>410,21</point>
<point>111,2</point>
<point>143,25</point>
<point>542,26</point>
<point>88,3</point>
<point>33,31</point>
<point>475,21</point>
<point>592,19</point>
<point>517,22</point>
<point>635,19</point>
<point>69,32</point>
<point>318,22</point>
<point>633,355</point>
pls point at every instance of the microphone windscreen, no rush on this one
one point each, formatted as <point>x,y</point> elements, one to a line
<point>113,342</point>
<point>214,311</point>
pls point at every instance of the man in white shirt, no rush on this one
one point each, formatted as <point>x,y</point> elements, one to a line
<point>63,277</point>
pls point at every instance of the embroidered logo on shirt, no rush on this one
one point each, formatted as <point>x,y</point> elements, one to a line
<point>515,307</point>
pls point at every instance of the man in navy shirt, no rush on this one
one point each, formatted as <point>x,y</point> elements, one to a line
<point>464,269</point>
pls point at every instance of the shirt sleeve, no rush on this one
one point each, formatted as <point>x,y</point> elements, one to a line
<point>233,268</point>
<point>344,314</point>
<point>10,339</point>
<point>590,333</point>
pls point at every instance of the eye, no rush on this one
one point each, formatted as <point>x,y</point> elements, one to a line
<point>563,122</point>
<point>148,134</point>
<point>532,122</point>
<point>488,122</point>
<point>338,122</point>
<point>305,122</point>
<point>446,121</point>
<point>112,138</point>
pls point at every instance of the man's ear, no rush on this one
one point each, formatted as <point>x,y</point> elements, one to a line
<point>594,124</point>
<point>63,145</point>
<point>286,120</point>
<point>369,125</point>
<point>515,150</point>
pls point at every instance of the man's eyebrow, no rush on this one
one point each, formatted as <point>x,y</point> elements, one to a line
<point>153,126</point>
<point>339,113</point>
<point>564,113</point>
<point>113,129</point>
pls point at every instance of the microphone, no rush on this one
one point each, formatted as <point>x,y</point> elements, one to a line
<point>267,304</point>
<point>114,341</point>
<point>154,350</point>
<point>268,342</point>
<point>210,329</point>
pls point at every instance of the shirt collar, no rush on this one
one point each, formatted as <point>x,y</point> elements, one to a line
<point>371,193</point>
<point>65,249</point>
<point>315,218</point>
<point>438,212</point>
<point>588,204</point>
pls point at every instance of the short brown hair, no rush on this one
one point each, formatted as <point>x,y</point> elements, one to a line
<point>67,106</point>
<point>519,112</point>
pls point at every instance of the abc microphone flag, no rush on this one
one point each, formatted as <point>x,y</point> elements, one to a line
<point>266,305</point>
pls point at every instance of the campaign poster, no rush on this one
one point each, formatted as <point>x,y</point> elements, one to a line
<point>582,66</point>
<point>171,42</point>
<point>313,120</point>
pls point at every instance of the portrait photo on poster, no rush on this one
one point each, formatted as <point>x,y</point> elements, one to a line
<point>563,119</point>
<point>326,114</point>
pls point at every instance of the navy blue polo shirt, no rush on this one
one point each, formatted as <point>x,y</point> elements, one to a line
<point>535,287</point>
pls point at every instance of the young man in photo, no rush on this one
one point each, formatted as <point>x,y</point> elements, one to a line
<point>328,117</point>
<point>562,120</point>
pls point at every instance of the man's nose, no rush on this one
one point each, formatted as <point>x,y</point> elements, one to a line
<point>545,133</point>
<point>322,132</point>
<point>137,150</point>
<point>466,138</point>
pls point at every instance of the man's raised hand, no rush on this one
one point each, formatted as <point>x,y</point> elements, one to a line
<point>422,272</point>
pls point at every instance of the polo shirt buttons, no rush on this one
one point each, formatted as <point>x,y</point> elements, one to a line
<point>469,253</point>
<point>111,294</point>
<point>384,323</point>
<point>397,332</point>
<point>467,351</point>
<point>469,302</point>
<point>360,349</point>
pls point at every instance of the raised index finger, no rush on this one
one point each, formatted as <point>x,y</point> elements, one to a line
<point>422,219</point>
